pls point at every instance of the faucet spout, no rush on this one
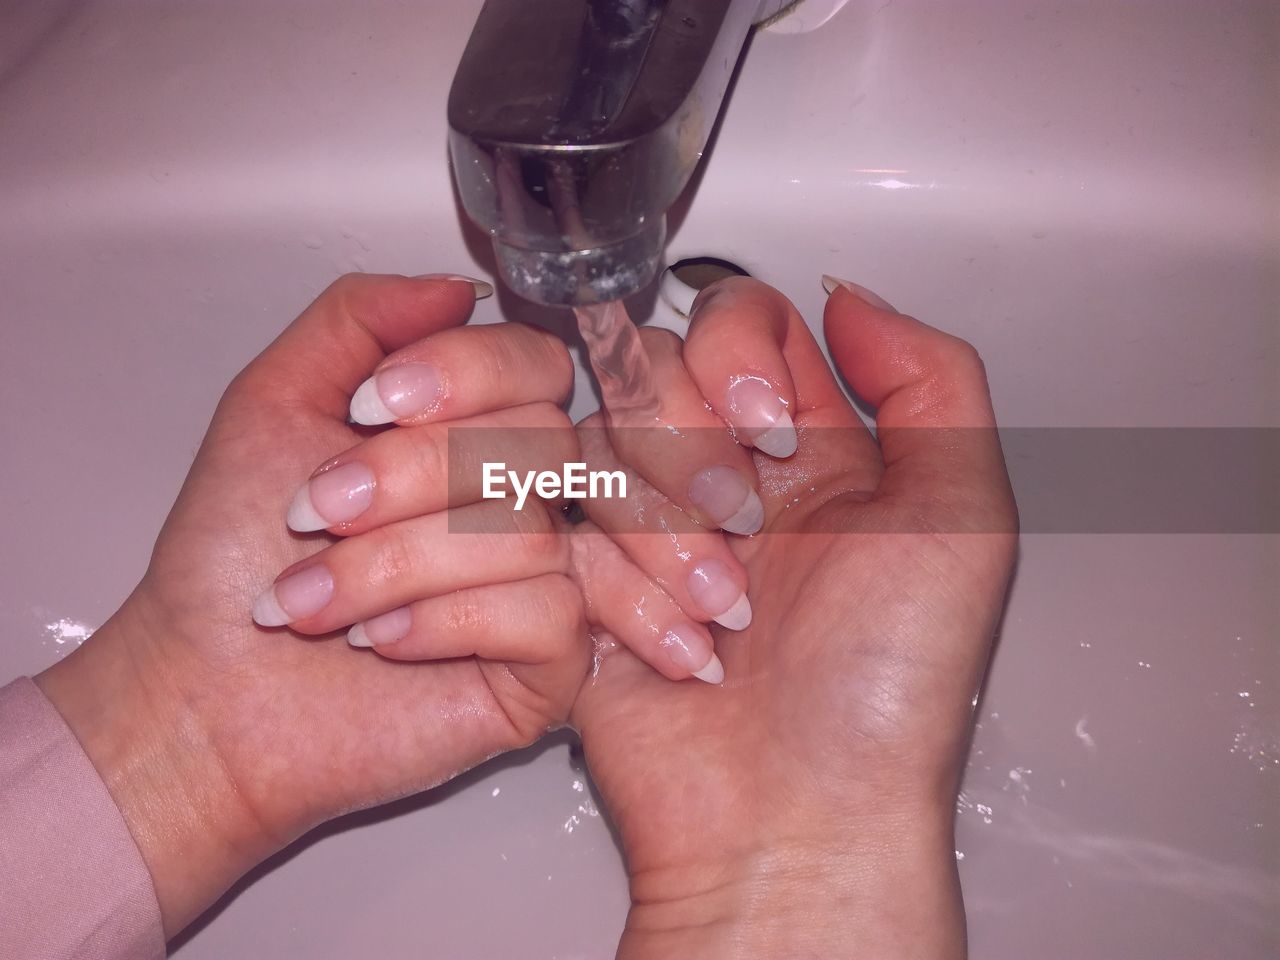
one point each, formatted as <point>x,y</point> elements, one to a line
<point>574,125</point>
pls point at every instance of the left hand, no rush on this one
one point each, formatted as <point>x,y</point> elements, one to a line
<point>222,741</point>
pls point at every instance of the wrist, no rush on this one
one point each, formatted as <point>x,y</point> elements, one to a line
<point>886,889</point>
<point>154,754</point>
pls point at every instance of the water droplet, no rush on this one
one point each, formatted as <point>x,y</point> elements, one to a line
<point>1083,735</point>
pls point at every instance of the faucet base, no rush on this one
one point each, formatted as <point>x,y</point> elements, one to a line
<point>576,277</point>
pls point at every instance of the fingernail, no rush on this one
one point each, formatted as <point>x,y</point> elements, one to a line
<point>334,497</point>
<point>396,393</point>
<point>381,630</point>
<point>728,499</point>
<point>762,415</point>
<point>483,288</point>
<point>829,284</point>
<point>713,588</point>
<point>690,650</point>
<point>296,597</point>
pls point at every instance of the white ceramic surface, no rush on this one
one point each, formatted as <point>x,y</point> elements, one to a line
<point>1086,190</point>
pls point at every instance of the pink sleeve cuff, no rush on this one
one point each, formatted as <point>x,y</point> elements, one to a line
<point>72,882</point>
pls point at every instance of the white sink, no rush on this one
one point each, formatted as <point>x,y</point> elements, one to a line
<point>1087,191</point>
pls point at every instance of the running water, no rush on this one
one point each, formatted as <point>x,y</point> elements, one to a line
<point>619,361</point>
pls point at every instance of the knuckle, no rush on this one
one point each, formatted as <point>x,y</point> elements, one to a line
<point>592,444</point>
<point>533,520</point>
<point>539,540</point>
<point>554,357</point>
<point>963,357</point>
<point>344,289</point>
<point>559,606</point>
<point>394,555</point>
<point>493,361</point>
<point>427,449</point>
<point>467,615</point>
<point>659,341</point>
<point>557,439</point>
<point>522,346</point>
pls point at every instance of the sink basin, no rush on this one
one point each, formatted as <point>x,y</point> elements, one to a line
<point>1087,192</point>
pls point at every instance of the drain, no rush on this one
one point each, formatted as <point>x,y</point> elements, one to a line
<point>682,281</point>
<point>700,272</point>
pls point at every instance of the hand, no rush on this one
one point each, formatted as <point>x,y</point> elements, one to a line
<point>805,808</point>
<point>220,740</point>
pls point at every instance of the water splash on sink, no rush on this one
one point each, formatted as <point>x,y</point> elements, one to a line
<point>68,634</point>
<point>587,808</point>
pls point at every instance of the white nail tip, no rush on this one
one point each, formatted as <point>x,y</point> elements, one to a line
<point>367,406</point>
<point>357,637</point>
<point>267,611</point>
<point>779,440</point>
<point>483,288</point>
<point>749,518</point>
<point>829,283</point>
<point>737,617</point>
<point>302,516</point>
<point>712,673</point>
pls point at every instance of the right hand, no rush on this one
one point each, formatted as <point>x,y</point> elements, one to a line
<point>806,807</point>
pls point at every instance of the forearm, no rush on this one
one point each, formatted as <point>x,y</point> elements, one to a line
<point>890,892</point>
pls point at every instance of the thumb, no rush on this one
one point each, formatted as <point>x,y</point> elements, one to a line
<point>934,419</point>
<point>320,358</point>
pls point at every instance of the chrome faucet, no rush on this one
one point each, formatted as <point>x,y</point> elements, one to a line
<point>574,125</point>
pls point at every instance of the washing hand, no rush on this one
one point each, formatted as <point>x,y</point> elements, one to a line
<point>222,740</point>
<point>827,760</point>
<point>805,807</point>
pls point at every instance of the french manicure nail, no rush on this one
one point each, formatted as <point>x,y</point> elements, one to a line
<point>713,588</point>
<point>690,650</point>
<point>829,284</point>
<point>381,630</point>
<point>395,393</point>
<point>728,499</point>
<point>334,497</point>
<point>762,415</point>
<point>483,288</point>
<point>296,597</point>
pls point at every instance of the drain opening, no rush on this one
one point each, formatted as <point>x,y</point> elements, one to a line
<point>700,272</point>
<point>682,281</point>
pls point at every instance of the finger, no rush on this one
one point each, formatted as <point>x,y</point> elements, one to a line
<point>643,616</point>
<point>462,372</point>
<point>391,566</point>
<point>934,419</point>
<point>530,637</point>
<point>692,564</point>
<point>527,621</point>
<point>320,358</point>
<point>733,352</point>
<point>756,361</point>
<point>412,471</point>
<point>684,449</point>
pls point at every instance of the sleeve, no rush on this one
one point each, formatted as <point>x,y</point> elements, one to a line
<point>73,885</point>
